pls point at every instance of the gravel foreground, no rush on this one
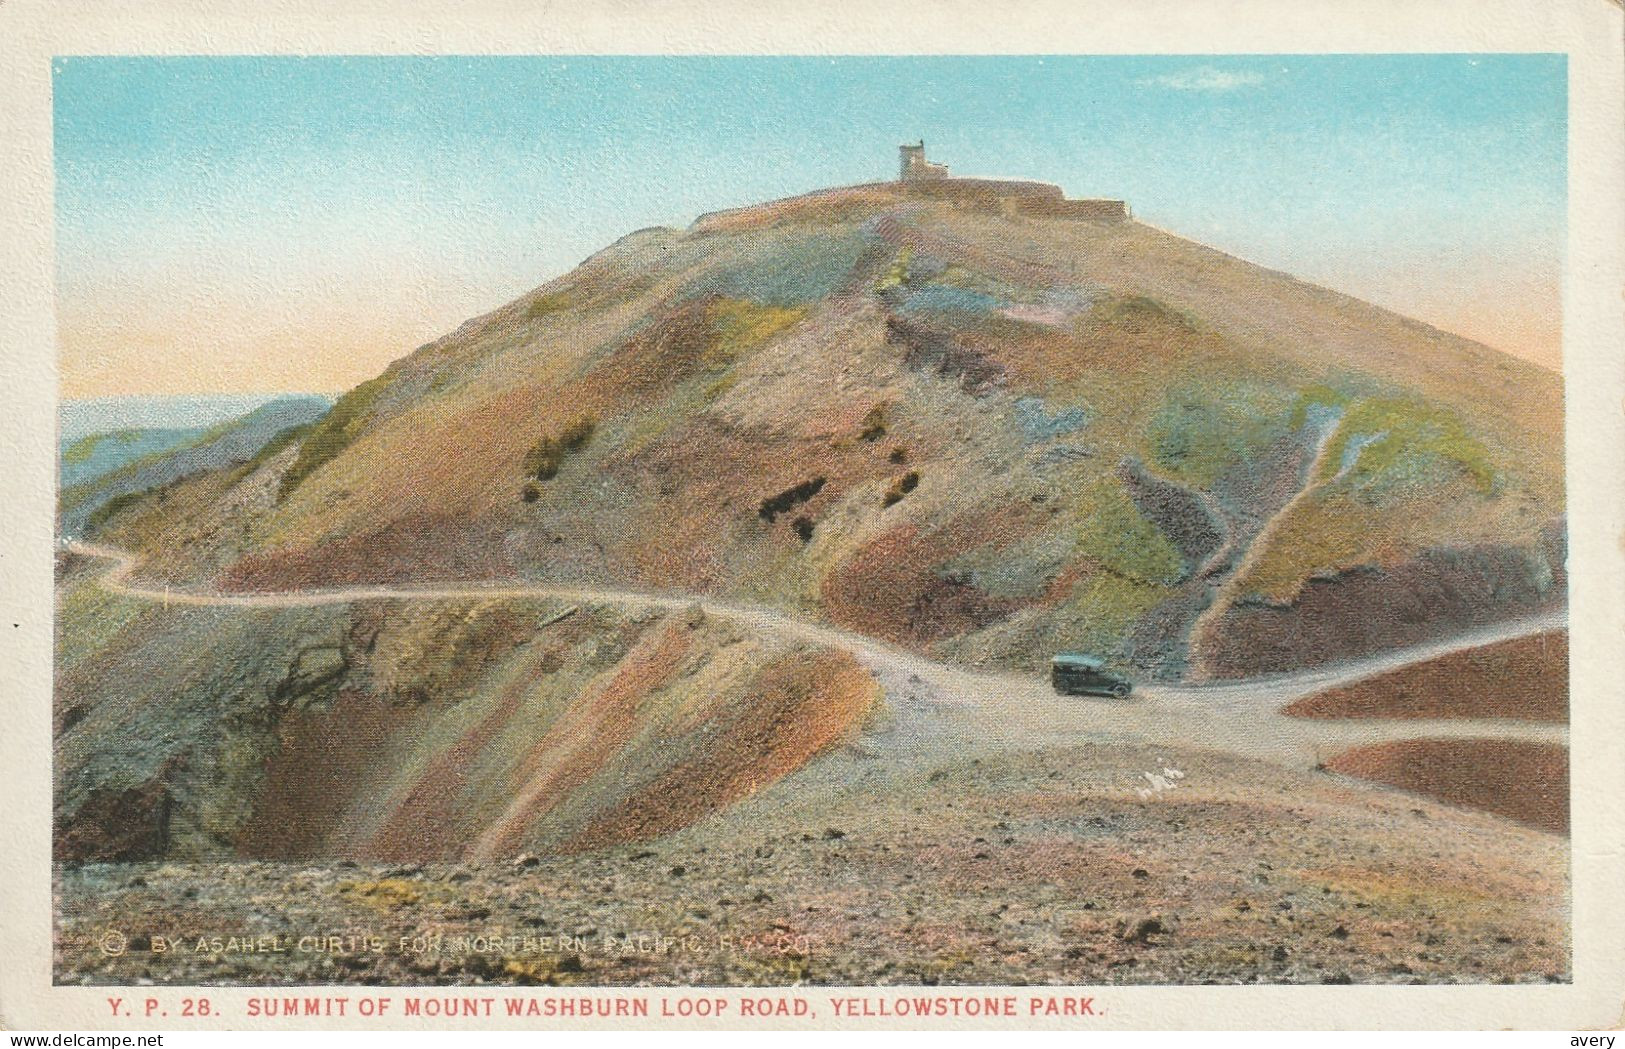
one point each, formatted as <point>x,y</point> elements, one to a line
<point>1094,864</point>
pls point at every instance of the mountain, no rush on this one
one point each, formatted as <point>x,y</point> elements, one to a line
<point>105,471</point>
<point>86,416</point>
<point>576,619</point>
<point>969,427</point>
<point>98,435</point>
<point>98,454</point>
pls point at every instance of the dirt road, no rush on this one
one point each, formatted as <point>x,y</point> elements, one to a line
<point>937,708</point>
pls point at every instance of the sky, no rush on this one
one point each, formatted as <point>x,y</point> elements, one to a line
<point>256,224</point>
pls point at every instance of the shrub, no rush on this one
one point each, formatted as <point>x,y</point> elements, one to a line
<point>775,505</point>
<point>547,456</point>
<point>531,492</point>
<point>578,433</point>
<point>804,528</point>
<point>543,461</point>
<point>901,487</point>
<point>1141,315</point>
<point>898,455</point>
<point>874,424</point>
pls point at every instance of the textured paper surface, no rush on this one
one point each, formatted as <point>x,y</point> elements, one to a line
<point>1587,31</point>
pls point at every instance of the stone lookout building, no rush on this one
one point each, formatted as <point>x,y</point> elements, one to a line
<point>916,167</point>
<point>919,177</point>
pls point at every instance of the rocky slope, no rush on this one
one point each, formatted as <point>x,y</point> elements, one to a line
<point>472,730</point>
<point>1052,866</point>
<point>980,434</point>
<point>1524,679</point>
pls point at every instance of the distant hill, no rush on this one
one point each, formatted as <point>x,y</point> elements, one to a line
<point>97,435</point>
<point>83,416</point>
<point>101,472</point>
<point>983,433</point>
<point>95,455</point>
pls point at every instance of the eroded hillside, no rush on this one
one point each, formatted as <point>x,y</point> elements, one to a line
<point>981,435</point>
<point>455,730</point>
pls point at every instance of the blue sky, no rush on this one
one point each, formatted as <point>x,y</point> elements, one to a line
<point>284,221</point>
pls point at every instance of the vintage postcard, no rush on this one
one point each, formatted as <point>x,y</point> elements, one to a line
<point>562,519</point>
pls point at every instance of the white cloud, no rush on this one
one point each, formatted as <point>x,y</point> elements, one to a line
<point>1206,78</point>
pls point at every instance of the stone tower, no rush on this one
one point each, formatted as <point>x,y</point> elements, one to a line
<point>913,166</point>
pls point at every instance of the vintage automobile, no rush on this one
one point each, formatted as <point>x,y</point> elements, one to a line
<point>1077,674</point>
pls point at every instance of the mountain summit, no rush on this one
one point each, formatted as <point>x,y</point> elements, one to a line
<point>968,416</point>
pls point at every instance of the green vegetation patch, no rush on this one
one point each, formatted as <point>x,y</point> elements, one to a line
<point>74,495</point>
<point>385,894</point>
<point>1318,394</point>
<point>1114,534</point>
<point>736,327</point>
<point>1203,430</point>
<point>280,440</point>
<point>546,305</point>
<point>88,618</point>
<point>739,326</point>
<point>81,450</point>
<point>955,275</point>
<point>1327,532</point>
<point>269,450</point>
<point>896,274</point>
<point>1400,434</point>
<point>333,433</point>
<point>1105,607</point>
<point>1022,569</point>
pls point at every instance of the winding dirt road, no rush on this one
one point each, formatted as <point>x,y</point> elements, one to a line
<point>936,708</point>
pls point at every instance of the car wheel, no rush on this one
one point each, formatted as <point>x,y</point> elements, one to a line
<point>1120,690</point>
